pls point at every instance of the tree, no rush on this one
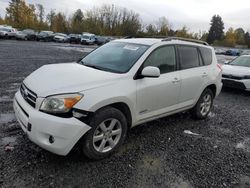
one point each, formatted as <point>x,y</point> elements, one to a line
<point>21,15</point>
<point>51,19</point>
<point>216,30</point>
<point>111,20</point>
<point>77,25</point>
<point>204,36</point>
<point>247,39</point>
<point>151,30</point>
<point>60,23</point>
<point>230,38</point>
<point>163,26</point>
<point>40,12</point>
<point>183,32</point>
<point>240,36</point>
<point>1,20</point>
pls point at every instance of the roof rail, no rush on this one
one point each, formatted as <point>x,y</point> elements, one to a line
<point>186,39</point>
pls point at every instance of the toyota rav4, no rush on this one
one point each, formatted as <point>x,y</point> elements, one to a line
<point>124,83</point>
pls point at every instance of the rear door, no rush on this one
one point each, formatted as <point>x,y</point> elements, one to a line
<point>193,74</point>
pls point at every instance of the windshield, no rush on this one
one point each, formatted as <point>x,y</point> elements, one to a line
<point>5,29</point>
<point>241,61</point>
<point>85,36</point>
<point>43,33</point>
<point>116,57</point>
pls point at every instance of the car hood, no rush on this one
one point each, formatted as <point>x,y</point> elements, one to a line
<point>67,78</point>
<point>235,70</point>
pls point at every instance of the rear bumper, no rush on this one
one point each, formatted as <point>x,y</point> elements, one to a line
<point>65,131</point>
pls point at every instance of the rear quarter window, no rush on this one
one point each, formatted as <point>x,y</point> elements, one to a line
<point>206,54</point>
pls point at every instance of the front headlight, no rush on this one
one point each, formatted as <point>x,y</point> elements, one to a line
<point>60,103</point>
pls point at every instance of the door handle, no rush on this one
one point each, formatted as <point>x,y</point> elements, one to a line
<point>176,80</point>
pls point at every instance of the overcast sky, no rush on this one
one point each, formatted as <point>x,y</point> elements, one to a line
<point>195,14</point>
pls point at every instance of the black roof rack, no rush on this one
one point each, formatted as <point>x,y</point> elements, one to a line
<point>186,39</point>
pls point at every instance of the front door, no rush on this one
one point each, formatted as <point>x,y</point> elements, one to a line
<point>157,96</point>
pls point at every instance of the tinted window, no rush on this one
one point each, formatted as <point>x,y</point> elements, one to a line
<point>206,55</point>
<point>163,58</point>
<point>189,57</point>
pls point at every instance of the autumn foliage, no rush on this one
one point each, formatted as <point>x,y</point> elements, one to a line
<point>114,21</point>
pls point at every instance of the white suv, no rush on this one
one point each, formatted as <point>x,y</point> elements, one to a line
<point>93,103</point>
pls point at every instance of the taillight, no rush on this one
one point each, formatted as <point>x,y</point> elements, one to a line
<point>219,66</point>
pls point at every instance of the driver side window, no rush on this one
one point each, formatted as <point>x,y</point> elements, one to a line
<point>163,58</point>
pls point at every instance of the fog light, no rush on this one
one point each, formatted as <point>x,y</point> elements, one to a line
<point>51,139</point>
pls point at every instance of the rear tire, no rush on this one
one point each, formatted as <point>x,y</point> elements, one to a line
<point>204,105</point>
<point>108,132</point>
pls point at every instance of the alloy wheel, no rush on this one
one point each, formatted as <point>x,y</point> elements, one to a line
<point>107,135</point>
<point>205,104</point>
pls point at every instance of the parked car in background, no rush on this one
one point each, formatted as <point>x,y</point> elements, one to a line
<point>92,104</point>
<point>100,40</point>
<point>88,38</point>
<point>219,51</point>
<point>4,32</point>
<point>236,74</point>
<point>46,36</point>
<point>8,32</point>
<point>75,38</point>
<point>60,37</point>
<point>27,34</point>
<point>233,52</point>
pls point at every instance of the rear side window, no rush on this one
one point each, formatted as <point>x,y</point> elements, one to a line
<point>189,57</point>
<point>206,55</point>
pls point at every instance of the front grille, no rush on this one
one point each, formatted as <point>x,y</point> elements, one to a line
<point>232,77</point>
<point>28,95</point>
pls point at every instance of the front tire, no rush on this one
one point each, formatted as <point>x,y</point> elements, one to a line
<point>108,132</point>
<point>204,105</point>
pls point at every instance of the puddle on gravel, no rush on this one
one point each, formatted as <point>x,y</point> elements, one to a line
<point>6,118</point>
<point>244,145</point>
<point>151,163</point>
<point>150,166</point>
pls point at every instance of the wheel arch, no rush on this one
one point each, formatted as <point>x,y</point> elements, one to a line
<point>213,88</point>
<point>124,108</point>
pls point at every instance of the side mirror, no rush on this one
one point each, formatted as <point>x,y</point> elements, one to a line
<point>152,72</point>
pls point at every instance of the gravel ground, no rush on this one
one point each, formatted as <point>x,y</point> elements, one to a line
<point>157,154</point>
